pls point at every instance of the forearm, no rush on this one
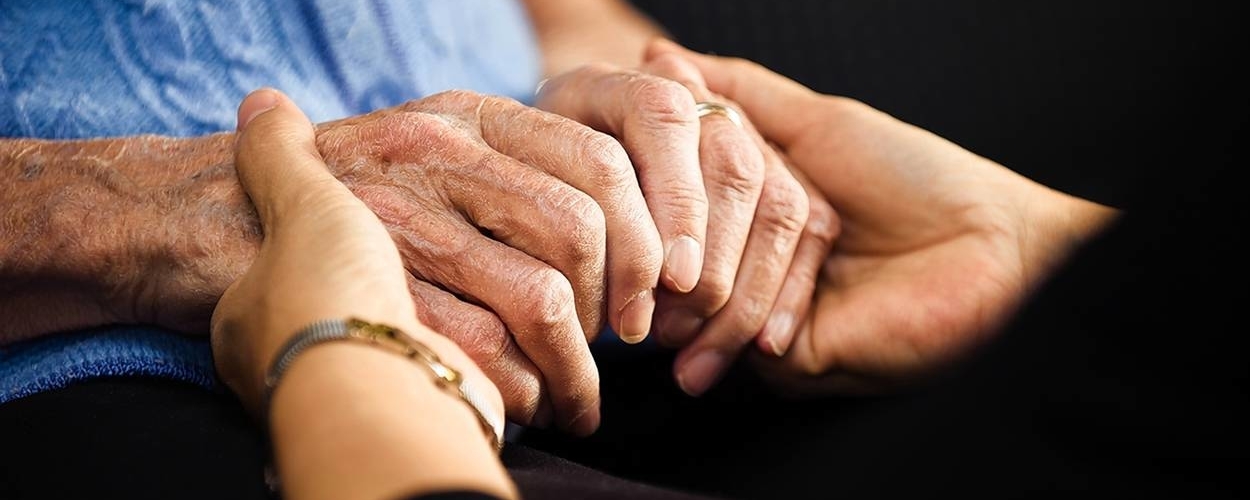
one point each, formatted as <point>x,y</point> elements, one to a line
<point>354,421</point>
<point>112,230</point>
<point>575,32</point>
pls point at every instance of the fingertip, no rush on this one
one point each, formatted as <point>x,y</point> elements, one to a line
<point>777,335</point>
<point>698,373</point>
<point>257,103</point>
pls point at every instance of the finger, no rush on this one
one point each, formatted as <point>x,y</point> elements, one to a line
<point>541,216</point>
<point>733,171</point>
<point>277,159</point>
<point>656,122</point>
<point>776,104</point>
<point>597,165</point>
<point>487,342</point>
<point>534,300</point>
<point>778,223</point>
<point>514,203</point>
<point>795,299</point>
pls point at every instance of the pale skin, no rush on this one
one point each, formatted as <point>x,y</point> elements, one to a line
<point>936,246</point>
<point>342,416</point>
<point>536,230</point>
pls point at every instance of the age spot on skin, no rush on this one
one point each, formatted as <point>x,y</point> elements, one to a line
<point>32,167</point>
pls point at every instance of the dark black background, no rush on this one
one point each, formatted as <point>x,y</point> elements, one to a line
<point>1078,95</point>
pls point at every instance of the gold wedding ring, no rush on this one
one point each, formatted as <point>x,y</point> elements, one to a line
<point>714,108</point>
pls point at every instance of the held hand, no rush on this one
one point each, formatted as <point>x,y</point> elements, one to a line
<point>506,217</point>
<point>324,255</point>
<point>722,280</point>
<point>937,244</point>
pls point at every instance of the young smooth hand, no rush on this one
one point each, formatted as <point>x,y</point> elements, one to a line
<point>937,245</point>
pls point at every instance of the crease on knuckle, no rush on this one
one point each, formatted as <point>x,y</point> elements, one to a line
<point>609,164</point>
<point>663,102</point>
<point>741,168</point>
<point>586,235</point>
<point>784,207</point>
<point>584,230</point>
<point>548,303</point>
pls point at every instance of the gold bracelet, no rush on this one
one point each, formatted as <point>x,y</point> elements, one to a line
<point>396,341</point>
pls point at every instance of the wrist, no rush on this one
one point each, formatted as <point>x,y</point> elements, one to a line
<point>352,418</point>
<point>1054,225</point>
<point>93,229</point>
<point>191,235</point>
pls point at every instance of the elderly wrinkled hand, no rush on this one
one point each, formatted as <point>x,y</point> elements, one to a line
<point>743,240</point>
<point>506,217</point>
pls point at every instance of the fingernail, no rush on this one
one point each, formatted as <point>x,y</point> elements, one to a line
<point>698,374</point>
<point>636,317</point>
<point>680,325</point>
<point>256,104</point>
<point>777,327</point>
<point>685,263</point>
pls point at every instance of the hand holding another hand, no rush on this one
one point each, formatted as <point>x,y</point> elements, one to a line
<point>743,240</point>
<point>937,244</point>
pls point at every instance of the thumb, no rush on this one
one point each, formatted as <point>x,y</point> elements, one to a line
<point>276,155</point>
<point>779,107</point>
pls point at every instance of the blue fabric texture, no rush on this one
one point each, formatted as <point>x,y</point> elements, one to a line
<point>108,68</point>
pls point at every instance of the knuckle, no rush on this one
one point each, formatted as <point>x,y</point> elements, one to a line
<point>823,223</point>
<point>741,172</point>
<point>606,158</point>
<point>785,206</point>
<point>662,101</point>
<point>687,201</point>
<point>586,232</point>
<point>713,292</point>
<point>485,339</point>
<point>550,303</point>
